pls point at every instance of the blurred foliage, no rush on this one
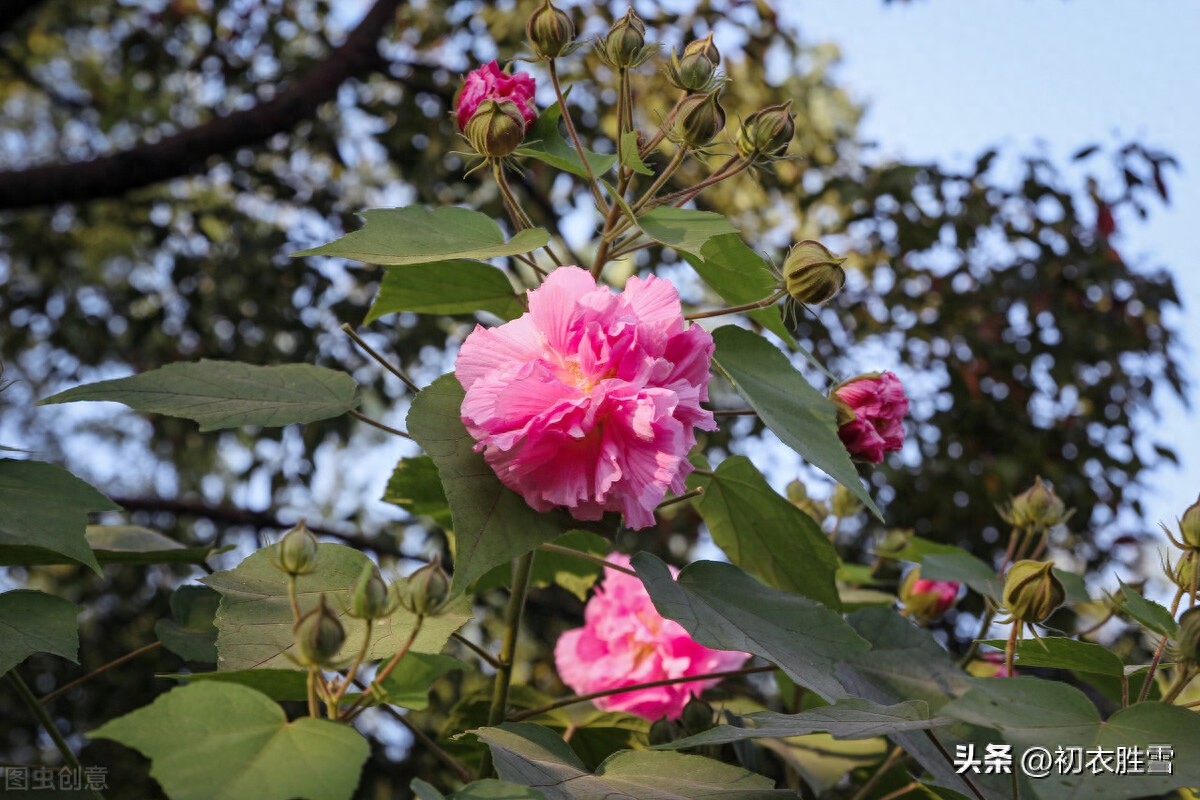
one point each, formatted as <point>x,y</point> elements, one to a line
<point>1030,345</point>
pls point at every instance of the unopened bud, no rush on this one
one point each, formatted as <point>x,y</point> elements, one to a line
<point>428,589</point>
<point>812,274</point>
<point>1032,591</point>
<point>696,717</point>
<point>704,48</point>
<point>1185,573</point>
<point>1189,526</point>
<point>699,119</point>
<point>319,636</point>
<point>844,504</point>
<point>662,732</point>
<point>767,133</point>
<point>1187,639</point>
<point>296,553</point>
<point>624,46</point>
<point>369,598</point>
<point>925,599</point>
<point>550,31</point>
<point>696,69</point>
<point>496,129</point>
<point>1036,507</point>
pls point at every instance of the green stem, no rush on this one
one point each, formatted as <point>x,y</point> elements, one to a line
<point>662,129</point>
<point>293,598</point>
<point>1010,647</point>
<point>312,691</point>
<point>1184,678</point>
<point>593,184</point>
<point>335,700</point>
<point>719,312</point>
<point>521,568</point>
<point>477,650</point>
<point>1158,653</point>
<point>595,559</point>
<point>47,722</point>
<point>732,166</point>
<point>357,707</point>
<point>516,213</point>
<point>583,698</point>
<point>893,758</point>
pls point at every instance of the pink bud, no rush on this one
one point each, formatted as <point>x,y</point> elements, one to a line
<point>871,410</point>
<point>489,82</point>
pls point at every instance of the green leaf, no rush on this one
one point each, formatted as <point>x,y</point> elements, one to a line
<point>423,791</point>
<point>210,740</point>
<point>490,789</point>
<point>576,575</point>
<point>277,684</point>
<point>965,568</point>
<point>420,235</point>
<point>416,487</point>
<point>492,524</point>
<point>36,622</point>
<point>254,620</point>
<point>803,418</point>
<point>446,287</point>
<point>116,544</point>
<point>917,549</point>
<point>192,634</point>
<point>848,718</point>
<point>630,156</point>
<point>765,534</point>
<point>1062,653</point>
<point>534,756</point>
<point>544,142</point>
<point>723,607</point>
<point>1156,618</point>
<point>44,506</point>
<point>683,229</point>
<point>408,685</point>
<point>228,394</point>
<point>740,276</point>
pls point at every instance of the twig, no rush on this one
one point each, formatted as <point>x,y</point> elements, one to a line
<point>361,417</point>
<point>595,559</point>
<point>383,362</point>
<point>116,662</point>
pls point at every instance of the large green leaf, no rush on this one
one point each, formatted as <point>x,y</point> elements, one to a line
<point>192,633</point>
<point>36,622</point>
<point>460,286</point>
<point>848,718</point>
<point>1155,617</point>
<point>545,143</point>
<point>740,276</point>
<point>684,229</point>
<point>116,544</point>
<point>44,506</point>
<point>420,235</point>
<point>228,394</point>
<point>416,487</point>
<point>492,524</point>
<point>1031,712</point>
<point>214,740</point>
<point>408,685</point>
<point>1062,653</point>
<point>254,620</point>
<point>723,607</point>
<point>534,756</point>
<point>765,534</point>
<point>803,418</point>
<point>576,575</point>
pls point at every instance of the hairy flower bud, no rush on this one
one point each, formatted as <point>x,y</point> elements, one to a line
<point>812,274</point>
<point>319,636</point>
<point>1032,591</point>
<point>1036,507</point>
<point>496,129</point>
<point>925,599</point>
<point>296,553</point>
<point>1189,526</point>
<point>550,31</point>
<point>696,70</point>
<point>767,133</point>
<point>624,46</point>
<point>698,121</point>
<point>697,717</point>
<point>370,598</point>
<point>1187,639</point>
<point>428,588</point>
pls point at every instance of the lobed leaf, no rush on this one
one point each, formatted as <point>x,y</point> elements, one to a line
<point>459,286</point>
<point>36,622</point>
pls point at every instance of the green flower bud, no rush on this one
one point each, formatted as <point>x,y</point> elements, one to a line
<point>296,553</point>
<point>369,598</point>
<point>496,129</point>
<point>698,121</point>
<point>696,70</point>
<point>662,732</point>
<point>812,274</point>
<point>1187,639</point>
<point>696,717</point>
<point>1189,526</point>
<point>1032,591</point>
<point>624,46</point>
<point>319,636</point>
<point>550,31</point>
<point>1184,573</point>
<point>1036,507</point>
<point>767,133</point>
<point>704,48</point>
<point>428,588</point>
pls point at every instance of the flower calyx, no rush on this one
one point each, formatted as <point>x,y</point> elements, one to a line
<point>624,46</point>
<point>766,134</point>
<point>695,71</point>
<point>1032,591</point>
<point>296,553</point>
<point>550,32</point>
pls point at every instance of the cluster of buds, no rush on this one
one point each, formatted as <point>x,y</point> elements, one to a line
<point>1032,591</point>
<point>695,72</point>
<point>624,46</point>
<point>1036,508</point>
<point>1186,572</point>
<point>927,600</point>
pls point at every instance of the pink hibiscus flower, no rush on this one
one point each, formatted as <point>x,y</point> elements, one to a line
<point>871,415</point>
<point>489,82</point>
<point>590,400</point>
<point>625,641</point>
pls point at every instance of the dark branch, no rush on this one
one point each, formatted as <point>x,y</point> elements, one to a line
<point>189,151</point>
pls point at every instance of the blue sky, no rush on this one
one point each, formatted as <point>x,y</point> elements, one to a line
<point>945,80</point>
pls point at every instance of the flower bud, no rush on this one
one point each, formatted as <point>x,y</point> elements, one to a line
<point>428,588</point>
<point>662,732</point>
<point>1037,507</point>
<point>496,129</point>
<point>369,599</point>
<point>1187,639</point>
<point>698,121</point>
<point>844,504</point>
<point>697,717</point>
<point>296,553</point>
<point>704,48</point>
<point>767,133</point>
<point>696,69</point>
<point>624,46</point>
<point>319,636</point>
<point>925,599</point>
<point>550,31</point>
<point>812,274</point>
<point>1189,526</point>
<point>1032,591</point>
<point>1184,574</point>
